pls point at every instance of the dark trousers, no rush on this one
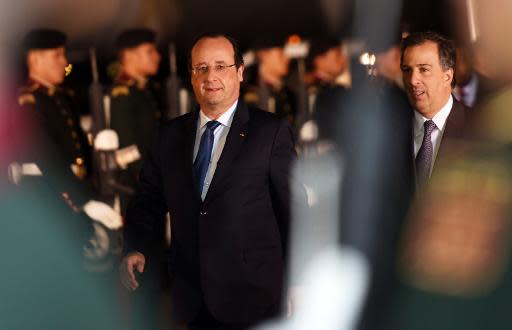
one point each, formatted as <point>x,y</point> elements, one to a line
<point>206,321</point>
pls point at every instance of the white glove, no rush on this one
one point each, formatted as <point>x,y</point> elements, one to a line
<point>104,214</point>
<point>17,171</point>
<point>106,140</point>
<point>127,155</point>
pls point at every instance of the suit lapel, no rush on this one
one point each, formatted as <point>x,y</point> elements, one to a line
<point>190,129</point>
<point>454,129</point>
<point>234,141</point>
<point>456,121</point>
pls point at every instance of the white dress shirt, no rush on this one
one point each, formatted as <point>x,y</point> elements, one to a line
<point>440,121</point>
<point>219,139</point>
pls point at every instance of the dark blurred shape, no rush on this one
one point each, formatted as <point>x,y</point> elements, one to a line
<point>372,127</point>
<point>325,62</point>
<point>96,96</point>
<point>44,39</point>
<point>472,86</point>
<point>374,136</point>
<point>387,65</point>
<point>172,87</point>
<point>456,242</point>
<point>134,37</point>
<point>455,252</point>
<point>320,45</point>
<point>262,43</point>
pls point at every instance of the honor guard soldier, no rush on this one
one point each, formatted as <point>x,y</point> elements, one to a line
<point>52,167</point>
<point>136,108</point>
<point>53,105</point>
<point>325,63</point>
<point>266,88</point>
<point>136,103</point>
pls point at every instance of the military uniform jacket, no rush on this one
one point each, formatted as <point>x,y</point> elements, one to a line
<point>135,114</point>
<point>52,109</point>
<point>259,94</point>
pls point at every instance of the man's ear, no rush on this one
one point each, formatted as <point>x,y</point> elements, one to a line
<point>449,75</point>
<point>240,73</point>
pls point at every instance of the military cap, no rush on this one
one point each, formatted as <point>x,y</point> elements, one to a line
<point>266,43</point>
<point>44,39</point>
<point>134,37</point>
<point>320,45</point>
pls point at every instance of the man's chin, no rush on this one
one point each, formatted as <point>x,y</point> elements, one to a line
<point>212,102</point>
<point>212,99</point>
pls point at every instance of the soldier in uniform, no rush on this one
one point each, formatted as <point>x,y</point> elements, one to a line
<point>325,63</point>
<point>136,110</point>
<point>53,167</point>
<point>136,106</point>
<point>266,88</point>
<point>54,106</point>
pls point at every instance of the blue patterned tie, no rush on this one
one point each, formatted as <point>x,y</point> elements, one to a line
<point>424,157</point>
<point>204,153</point>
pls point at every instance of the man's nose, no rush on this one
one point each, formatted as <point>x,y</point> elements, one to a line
<point>414,78</point>
<point>211,74</point>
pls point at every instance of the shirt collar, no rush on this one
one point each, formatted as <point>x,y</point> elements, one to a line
<point>439,119</point>
<point>225,119</point>
<point>41,82</point>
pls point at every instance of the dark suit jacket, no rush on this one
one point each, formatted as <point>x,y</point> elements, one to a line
<point>228,249</point>
<point>455,128</point>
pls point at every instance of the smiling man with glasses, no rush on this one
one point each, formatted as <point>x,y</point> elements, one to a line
<point>222,172</point>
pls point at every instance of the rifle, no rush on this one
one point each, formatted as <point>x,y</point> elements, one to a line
<point>96,96</point>
<point>172,87</point>
<point>107,158</point>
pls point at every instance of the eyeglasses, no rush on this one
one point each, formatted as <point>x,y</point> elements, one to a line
<point>204,69</point>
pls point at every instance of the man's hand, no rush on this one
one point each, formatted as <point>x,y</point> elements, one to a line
<point>132,261</point>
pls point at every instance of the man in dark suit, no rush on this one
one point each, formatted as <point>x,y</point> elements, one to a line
<point>222,172</point>
<point>428,65</point>
<point>473,86</point>
<point>452,280</point>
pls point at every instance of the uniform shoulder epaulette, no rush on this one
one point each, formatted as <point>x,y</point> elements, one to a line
<point>119,90</point>
<point>26,98</point>
<point>28,88</point>
<point>251,97</point>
